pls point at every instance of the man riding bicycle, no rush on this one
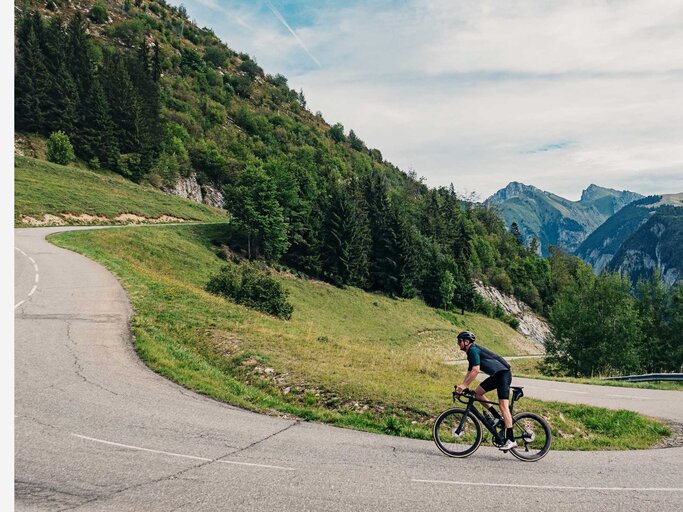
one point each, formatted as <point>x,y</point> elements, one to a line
<point>500,377</point>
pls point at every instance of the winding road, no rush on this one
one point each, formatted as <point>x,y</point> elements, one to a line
<point>96,430</point>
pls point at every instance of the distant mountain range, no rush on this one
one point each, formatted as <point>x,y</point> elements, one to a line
<point>643,236</point>
<point>554,220</point>
<point>609,229</point>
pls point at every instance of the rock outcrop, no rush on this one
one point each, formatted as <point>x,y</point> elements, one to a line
<point>530,325</point>
<point>189,188</point>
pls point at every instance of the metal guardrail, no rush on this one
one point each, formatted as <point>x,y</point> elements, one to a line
<point>649,377</point>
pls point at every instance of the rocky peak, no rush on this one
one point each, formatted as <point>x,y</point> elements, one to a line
<point>621,197</point>
<point>594,191</point>
<point>513,189</point>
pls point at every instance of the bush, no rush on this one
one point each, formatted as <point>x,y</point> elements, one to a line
<point>98,14</point>
<point>129,31</point>
<point>216,56</point>
<point>251,287</point>
<point>502,281</point>
<point>59,148</point>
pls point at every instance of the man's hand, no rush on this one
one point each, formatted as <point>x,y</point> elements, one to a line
<point>459,389</point>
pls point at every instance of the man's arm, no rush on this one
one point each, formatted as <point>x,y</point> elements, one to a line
<point>469,378</point>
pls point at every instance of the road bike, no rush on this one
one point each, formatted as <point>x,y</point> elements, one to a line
<point>457,432</point>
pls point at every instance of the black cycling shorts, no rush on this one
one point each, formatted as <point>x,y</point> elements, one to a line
<point>501,381</point>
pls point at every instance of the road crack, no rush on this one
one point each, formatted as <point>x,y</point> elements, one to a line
<point>262,440</point>
<point>77,363</point>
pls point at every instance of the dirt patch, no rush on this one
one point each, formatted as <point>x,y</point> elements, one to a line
<point>131,218</point>
<point>167,218</point>
<point>47,220</point>
<point>85,218</point>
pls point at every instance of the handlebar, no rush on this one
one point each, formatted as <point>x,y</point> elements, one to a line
<point>465,392</point>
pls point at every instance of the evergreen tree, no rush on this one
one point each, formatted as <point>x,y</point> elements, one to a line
<point>156,63</point>
<point>514,231</point>
<point>124,103</point>
<point>97,131</point>
<point>150,107</point>
<point>30,83</point>
<point>61,108</point>
<point>256,211</point>
<point>346,235</point>
<point>534,247</point>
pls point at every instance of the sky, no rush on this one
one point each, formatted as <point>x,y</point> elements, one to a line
<point>557,95</point>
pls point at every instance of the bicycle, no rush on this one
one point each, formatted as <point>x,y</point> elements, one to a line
<point>457,432</point>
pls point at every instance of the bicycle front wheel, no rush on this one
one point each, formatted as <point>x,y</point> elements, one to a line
<point>457,433</point>
<point>532,435</point>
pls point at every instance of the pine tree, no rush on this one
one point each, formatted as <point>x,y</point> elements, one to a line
<point>149,104</point>
<point>346,238</point>
<point>98,130</point>
<point>61,109</point>
<point>30,83</point>
<point>257,212</point>
<point>124,107</point>
<point>394,260</point>
<point>156,63</point>
<point>514,231</point>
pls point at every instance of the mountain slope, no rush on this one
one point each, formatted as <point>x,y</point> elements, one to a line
<point>601,245</point>
<point>554,220</point>
<point>656,244</point>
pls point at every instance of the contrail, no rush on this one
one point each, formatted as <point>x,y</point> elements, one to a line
<point>284,22</point>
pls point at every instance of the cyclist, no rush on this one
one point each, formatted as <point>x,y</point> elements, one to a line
<point>500,377</point>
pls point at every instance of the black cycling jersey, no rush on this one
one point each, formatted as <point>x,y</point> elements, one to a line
<point>487,361</point>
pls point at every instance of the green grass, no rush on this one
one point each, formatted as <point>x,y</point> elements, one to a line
<point>529,368</point>
<point>45,188</point>
<point>346,357</point>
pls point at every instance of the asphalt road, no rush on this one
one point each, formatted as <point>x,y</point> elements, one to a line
<point>96,430</point>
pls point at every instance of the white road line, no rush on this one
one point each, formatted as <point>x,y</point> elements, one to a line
<point>558,487</point>
<point>35,280</point>
<point>138,448</point>
<point>569,391</point>
<point>633,397</point>
<point>252,464</point>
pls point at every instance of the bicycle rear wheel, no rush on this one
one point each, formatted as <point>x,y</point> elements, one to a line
<point>457,433</point>
<point>532,435</point>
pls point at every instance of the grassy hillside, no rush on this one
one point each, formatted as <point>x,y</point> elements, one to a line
<point>43,188</point>
<point>346,357</point>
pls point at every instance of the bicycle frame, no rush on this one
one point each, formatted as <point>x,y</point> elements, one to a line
<point>471,399</point>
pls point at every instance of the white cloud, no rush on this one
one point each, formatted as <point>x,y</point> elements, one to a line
<point>464,92</point>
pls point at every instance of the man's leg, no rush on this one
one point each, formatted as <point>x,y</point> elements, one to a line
<point>505,410</point>
<point>480,394</point>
